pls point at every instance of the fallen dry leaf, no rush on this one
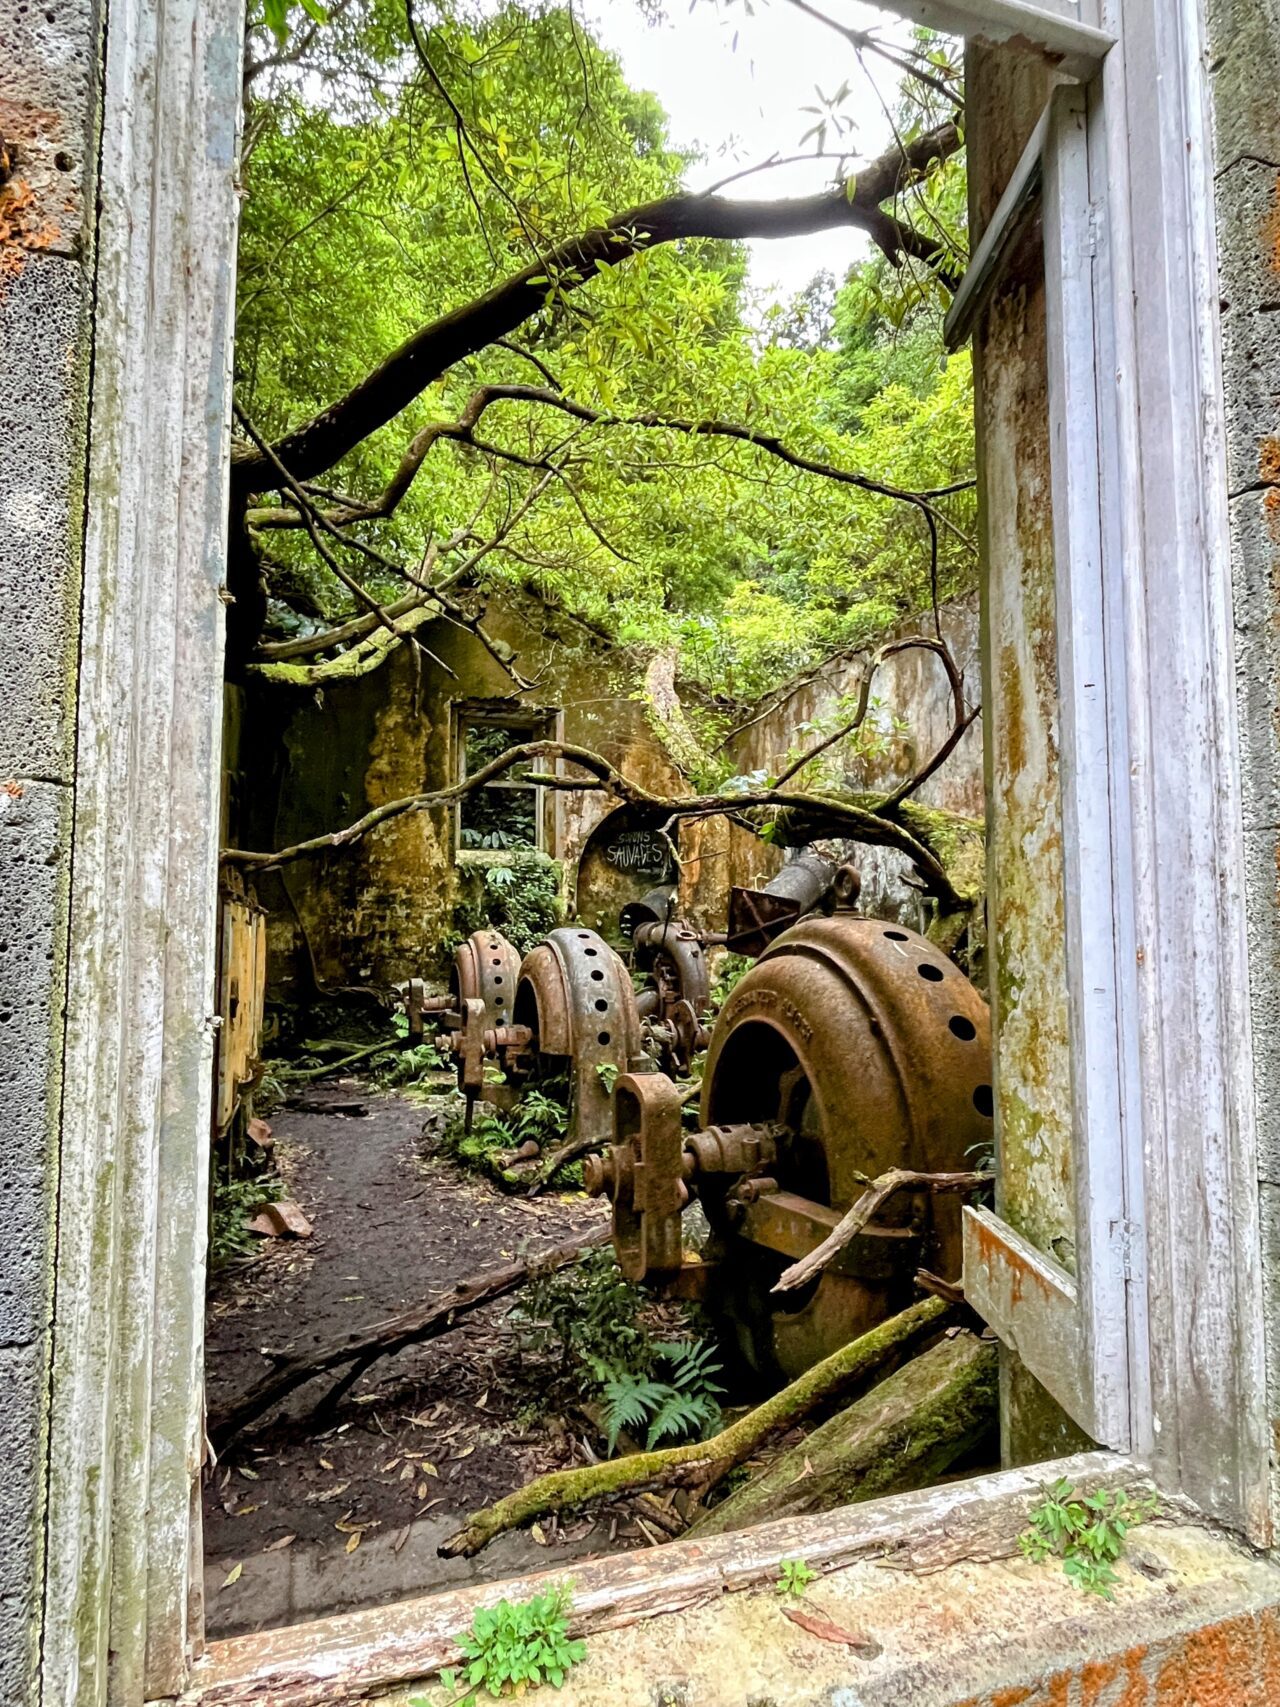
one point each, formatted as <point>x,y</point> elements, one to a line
<point>390,1466</point>
<point>248,1474</point>
<point>232,1576</point>
<point>401,1537</point>
<point>463,1452</point>
<point>353,1541</point>
<point>324,1464</point>
<point>280,1545</point>
<point>539,1534</point>
<point>326,1494</point>
<point>420,1492</point>
<point>819,1625</point>
<point>244,1510</point>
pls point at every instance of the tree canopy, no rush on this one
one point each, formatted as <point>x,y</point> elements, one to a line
<point>491,332</point>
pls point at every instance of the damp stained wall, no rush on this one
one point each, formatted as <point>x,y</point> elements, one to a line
<point>1244,40</point>
<point>382,910</point>
<point>1025,897</point>
<point>913,692</point>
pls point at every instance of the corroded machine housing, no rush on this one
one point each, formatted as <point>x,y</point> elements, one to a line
<point>851,1047</point>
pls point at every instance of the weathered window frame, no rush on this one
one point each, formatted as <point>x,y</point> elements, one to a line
<point>525,723</point>
<point>1166,1137</point>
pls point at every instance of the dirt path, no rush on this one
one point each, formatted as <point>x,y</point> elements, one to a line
<point>425,1437</point>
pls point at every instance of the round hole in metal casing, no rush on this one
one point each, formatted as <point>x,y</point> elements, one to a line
<point>983,1101</point>
<point>603,1037</point>
<point>498,979</point>
<point>602,1007</point>
<point>928,970</point>
<point>962,1028</point>
<point>590,952</point>
<point>896,936</point>
<point>598,976</point>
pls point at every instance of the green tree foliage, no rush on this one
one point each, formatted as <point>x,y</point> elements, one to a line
<point>390,180</point>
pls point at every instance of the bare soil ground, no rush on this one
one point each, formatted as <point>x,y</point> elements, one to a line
<point>348,1510</point>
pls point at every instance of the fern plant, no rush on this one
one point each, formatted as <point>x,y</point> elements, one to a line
<point>683,1406</point>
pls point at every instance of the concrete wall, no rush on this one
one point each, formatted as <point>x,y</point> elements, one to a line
<point>1245,56</point>
<point>48,119</point>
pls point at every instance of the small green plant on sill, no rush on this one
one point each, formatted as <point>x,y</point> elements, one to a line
<point>512,1647</point>
<point>1087,1532</point>
<point>607,1074</point>
<point>794,1577</point>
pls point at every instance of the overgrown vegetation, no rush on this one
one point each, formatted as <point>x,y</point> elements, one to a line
<point>235,1202</point>
<point>520,895</point>
<point>595,1323</point>
<point>1086,1531</point>
<point>394,175</point>
<point>512,1647</point>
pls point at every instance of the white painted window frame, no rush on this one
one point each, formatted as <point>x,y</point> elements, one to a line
<point>1154,1345</point>
<point>1161,1048</point>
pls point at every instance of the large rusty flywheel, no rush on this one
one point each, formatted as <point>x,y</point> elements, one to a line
<point>852,1046</point>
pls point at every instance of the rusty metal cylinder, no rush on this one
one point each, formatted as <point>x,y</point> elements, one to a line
<point>804,880</point>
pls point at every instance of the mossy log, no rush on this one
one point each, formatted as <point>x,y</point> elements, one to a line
<point>905,1433</point>
<point>702,1464</point>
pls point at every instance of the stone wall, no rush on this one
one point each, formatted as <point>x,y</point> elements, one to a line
<point>48,122</point>
<point>1245,43</point>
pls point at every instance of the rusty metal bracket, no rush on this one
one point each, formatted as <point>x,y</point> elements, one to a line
<point>642,1173</point>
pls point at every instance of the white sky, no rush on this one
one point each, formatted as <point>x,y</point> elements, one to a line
<point>741,106</point>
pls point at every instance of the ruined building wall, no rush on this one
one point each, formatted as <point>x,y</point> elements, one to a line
<point>1025,895</point>
<point>48,102</point>
<point>1245,56</point>
<point>384,909</point>
<point>913,691</point>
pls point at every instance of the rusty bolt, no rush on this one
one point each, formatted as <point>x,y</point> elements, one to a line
<point>846,885</point>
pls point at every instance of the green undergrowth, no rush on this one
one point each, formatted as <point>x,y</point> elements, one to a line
<point>519,894</point>
<point>540,1116</point>
<point>234,1203</point>
<point>596,1326</point>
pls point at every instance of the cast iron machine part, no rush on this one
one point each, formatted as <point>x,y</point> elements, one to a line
<point>851,1047</point>
<point>475,1014</point>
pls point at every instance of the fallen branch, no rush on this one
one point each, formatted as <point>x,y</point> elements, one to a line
<point>702,1464</point>
<point>323,1072</point>
<point>870,1203</point>
<point>386,1338</point>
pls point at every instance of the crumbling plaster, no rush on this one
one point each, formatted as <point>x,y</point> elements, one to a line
<point>47,119</point>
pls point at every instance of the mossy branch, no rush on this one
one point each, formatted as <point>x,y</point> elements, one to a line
<point>854,818</point>
<point>703,1464</point>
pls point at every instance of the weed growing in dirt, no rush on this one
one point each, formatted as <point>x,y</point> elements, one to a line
<point>1086,1532</point>
<point>514,1646</point>
<point>234,1201</point>
<point>794,1577</point>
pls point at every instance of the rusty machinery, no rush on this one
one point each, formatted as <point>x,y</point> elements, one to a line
<point>570,1009</point>
<point>851,1047</point>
